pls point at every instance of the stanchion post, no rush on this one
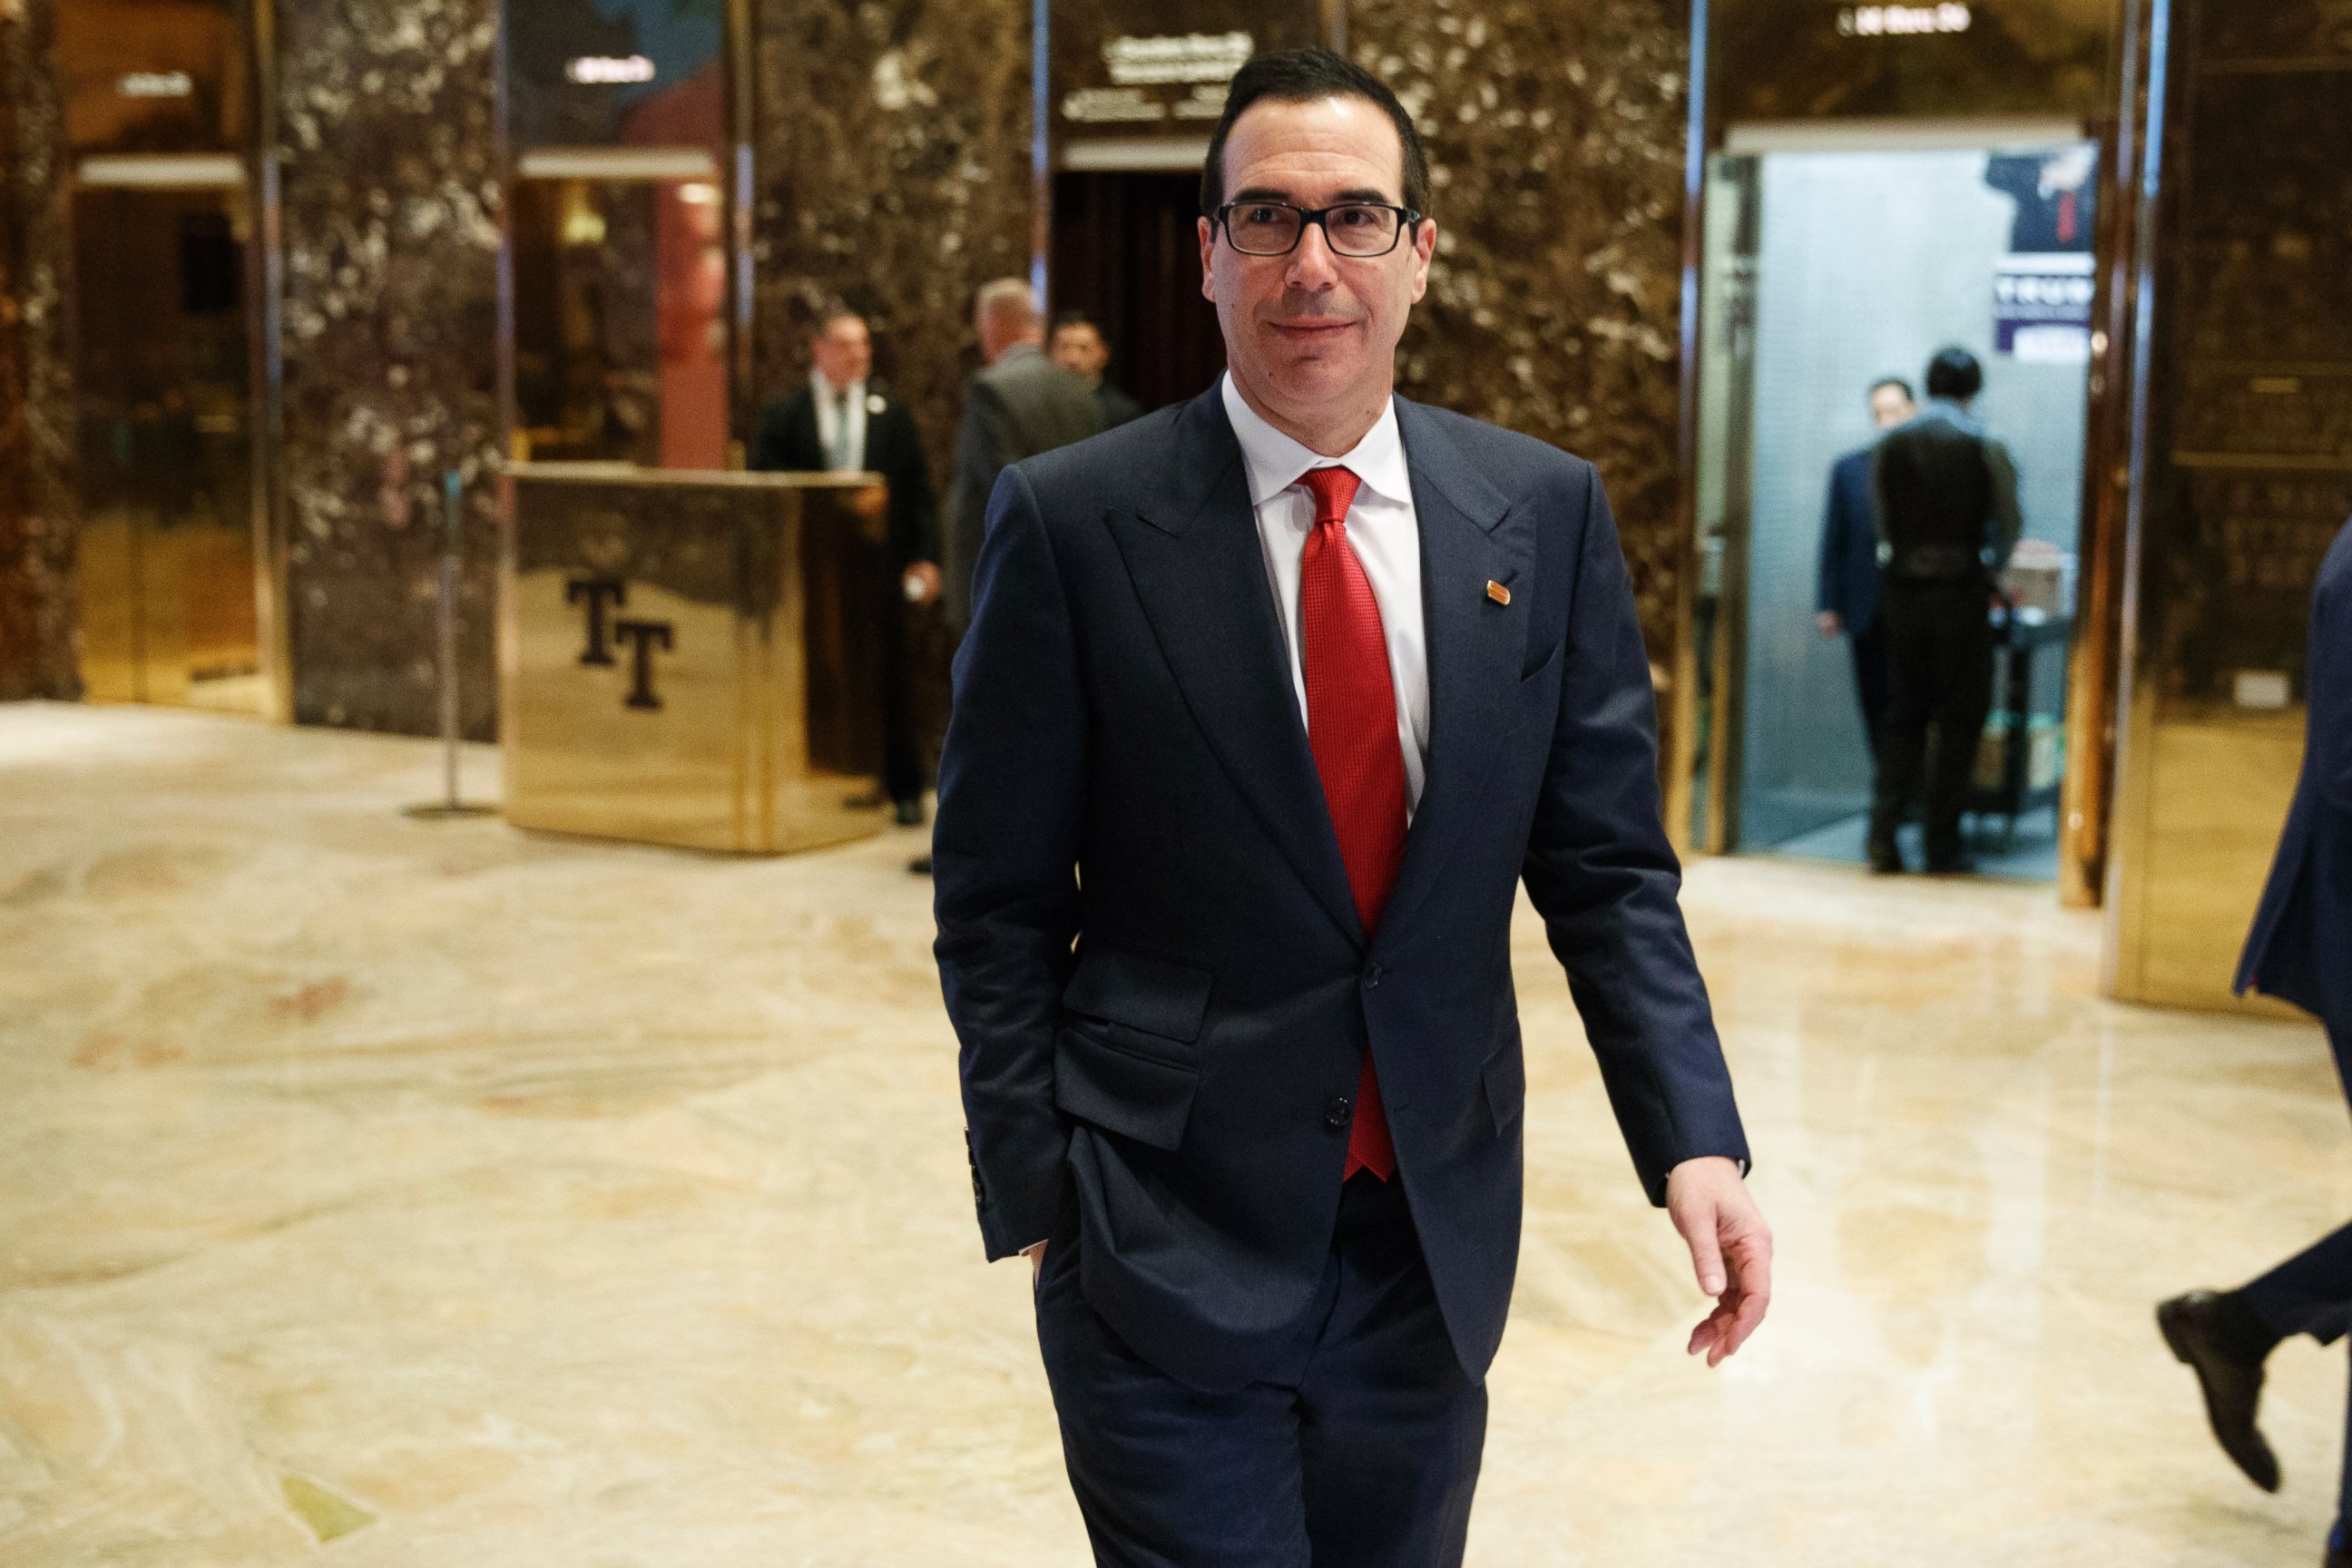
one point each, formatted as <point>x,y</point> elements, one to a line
<point>453,544</point>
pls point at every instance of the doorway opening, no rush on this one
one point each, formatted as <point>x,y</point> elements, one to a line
<point>1830,270</point>
<point>171,598</point>
<point>1127,252</point>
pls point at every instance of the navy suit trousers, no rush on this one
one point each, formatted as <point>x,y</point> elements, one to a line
<point>2311,1293</point>
<point>1364,1453</point>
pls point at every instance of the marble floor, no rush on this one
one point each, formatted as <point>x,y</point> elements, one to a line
<point>381,1192</point>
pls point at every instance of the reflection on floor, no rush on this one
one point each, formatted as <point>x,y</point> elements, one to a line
<point>2025,850</point>
<point>480,1200</point>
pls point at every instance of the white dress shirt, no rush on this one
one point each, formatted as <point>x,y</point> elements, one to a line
<point>1386,535</point>
<point>831,406</point>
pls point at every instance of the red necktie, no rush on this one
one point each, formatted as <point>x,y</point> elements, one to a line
<point>1351,727</point>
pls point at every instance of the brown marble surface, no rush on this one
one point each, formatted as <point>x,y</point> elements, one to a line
<point>36,511</point>
<point>892,147</point>
<point>390,245</point>
<point>1555,136</point>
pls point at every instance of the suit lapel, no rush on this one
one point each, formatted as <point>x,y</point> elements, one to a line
<point>1200,571</point>
<point>1469,538</point>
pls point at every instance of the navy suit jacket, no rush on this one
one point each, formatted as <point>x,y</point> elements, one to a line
<point>2301,947</point>
<point>1849,564</point>
<point>1146,937</point>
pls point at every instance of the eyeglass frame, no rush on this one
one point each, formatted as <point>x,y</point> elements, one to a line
<point>1408,222</point>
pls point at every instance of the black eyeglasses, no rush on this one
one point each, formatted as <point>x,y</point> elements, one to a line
<point>1351,228</point>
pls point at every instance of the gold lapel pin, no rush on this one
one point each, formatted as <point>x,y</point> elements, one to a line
<point>1498,593</point>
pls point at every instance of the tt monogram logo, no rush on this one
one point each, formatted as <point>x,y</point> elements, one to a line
<point>596,592</point>
<point>646,635</point>
<point>642,636</point>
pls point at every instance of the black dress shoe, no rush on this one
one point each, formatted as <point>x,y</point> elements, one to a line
<point>1886,863</point>
<point>909,813</point>
<point>920,866</point>
<point>2193,1327</point>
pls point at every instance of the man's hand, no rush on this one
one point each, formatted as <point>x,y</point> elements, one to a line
<point>1831,623</point>
<point>1037,1256</point>
<point>921,582</point>
<point>1710,1207</point>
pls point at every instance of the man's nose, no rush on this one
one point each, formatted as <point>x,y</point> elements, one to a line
<point>1311,263</point>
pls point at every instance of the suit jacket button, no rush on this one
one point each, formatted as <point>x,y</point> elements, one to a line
<point>1371,975</point>
<point>1335,1115</point>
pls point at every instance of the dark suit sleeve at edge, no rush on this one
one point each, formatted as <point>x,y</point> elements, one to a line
<point>1004,856</point>
<point>1828,586</point>
<point>1605,880</point>
<point>2328,688</point>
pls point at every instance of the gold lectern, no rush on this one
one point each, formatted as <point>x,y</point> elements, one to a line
<point>693,659</point>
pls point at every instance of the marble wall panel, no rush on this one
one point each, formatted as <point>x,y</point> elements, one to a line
<point>36,510</point>
<point>892,149</point>
<point>391,225</point>
<point>1555,136</point>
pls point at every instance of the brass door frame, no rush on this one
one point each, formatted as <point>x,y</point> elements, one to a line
<point>2095,693</point>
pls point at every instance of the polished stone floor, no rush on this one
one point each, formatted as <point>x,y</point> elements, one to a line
<point>464,1199</point>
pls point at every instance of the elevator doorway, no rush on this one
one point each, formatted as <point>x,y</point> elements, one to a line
<point>1127,252</point>
<point>171,599</point>
<point>1828,270</point>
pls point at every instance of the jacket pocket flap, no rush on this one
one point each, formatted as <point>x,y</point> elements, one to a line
<point>1147,994</point>
<point>1146,1097</point>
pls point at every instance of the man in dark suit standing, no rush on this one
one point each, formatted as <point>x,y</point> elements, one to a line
<point>1846,601</point>
<point>845,422</point>
<point>1270,700</point>
<point>2301,952</point>
<point>1019,404</point>
<point>1079,347</point>
<point>1947,518</point>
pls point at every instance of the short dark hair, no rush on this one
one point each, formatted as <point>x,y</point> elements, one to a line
<point>1954,372</point>
<point>1077,318</point>
<point>1301,76</point>
<point>1897,382</point>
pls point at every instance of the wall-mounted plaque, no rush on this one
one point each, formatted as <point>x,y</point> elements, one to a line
<point>606,73</point>
<point>152,76</point>
<point>1776,60</point>
<point>1125,71</point>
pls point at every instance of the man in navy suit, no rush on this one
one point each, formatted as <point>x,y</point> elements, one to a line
<point>2300,952</point>
<point>1847,602</point>
<point>1269,702</point>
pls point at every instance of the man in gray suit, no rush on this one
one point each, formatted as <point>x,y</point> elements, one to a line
<point>1021,404</point>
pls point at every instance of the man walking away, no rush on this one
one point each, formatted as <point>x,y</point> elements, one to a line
<point>2300,952</point>
<point>1947,518</point>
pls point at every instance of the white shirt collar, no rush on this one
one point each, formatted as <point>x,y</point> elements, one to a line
<point>847,396</point>
<point>1275,461</point>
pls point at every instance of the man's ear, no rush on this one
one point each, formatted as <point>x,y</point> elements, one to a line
<point>1208,231</point>
<point>1425,246</point>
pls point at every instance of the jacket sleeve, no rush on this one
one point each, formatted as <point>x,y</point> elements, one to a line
<point>2328,688</point>
<point>2008,522</point>
<point>767,455</point>
<point>1004,861</point>
<point>1602,876</point>
<point>1829,573</point>
<point>914,509</point>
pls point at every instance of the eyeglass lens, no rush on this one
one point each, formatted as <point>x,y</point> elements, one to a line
<point>1271,228</point>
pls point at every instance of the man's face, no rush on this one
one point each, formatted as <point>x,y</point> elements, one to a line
<point>1313,334</point>
<point>1889,407</point>
<point>1079,349</point>
<point>844,352</point>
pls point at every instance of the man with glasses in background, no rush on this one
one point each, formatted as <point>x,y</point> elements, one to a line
<point>1269,701</point>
